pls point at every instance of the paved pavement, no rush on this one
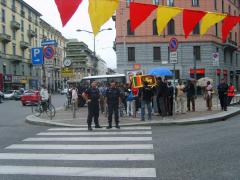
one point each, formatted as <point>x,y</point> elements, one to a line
<point>65,117</point>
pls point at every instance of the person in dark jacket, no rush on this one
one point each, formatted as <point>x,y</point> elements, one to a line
<point>113,101</point>
<point>190,90</point>
<point>146,95</point>
<point>170,98</point>
<point>92,96</point>
<point>222,94</point>
<point>162,91</point>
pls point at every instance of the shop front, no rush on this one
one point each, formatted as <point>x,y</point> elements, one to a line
<point>199,72</point>
<point>19,82</point>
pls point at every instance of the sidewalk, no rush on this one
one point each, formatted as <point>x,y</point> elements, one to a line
<point>65,118</point>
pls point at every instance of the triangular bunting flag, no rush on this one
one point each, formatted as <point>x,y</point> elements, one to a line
<point>139,13</point>
<point>190,19</point>
<point>164,15</point>
<point>66,9</point>
<point>209,20</point>
<point>100,11</point>
<point>228,23</point>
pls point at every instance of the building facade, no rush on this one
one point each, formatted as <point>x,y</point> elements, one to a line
<point>83,61</point>
<point>21,29</point>
<point>145,48</point>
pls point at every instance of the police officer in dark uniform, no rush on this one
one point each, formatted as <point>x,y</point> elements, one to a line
<point>113,100</point>
<point>92,96</point>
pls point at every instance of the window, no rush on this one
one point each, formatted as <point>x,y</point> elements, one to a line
<point>14,49</point>
<point>229,9</point>
<point>156,2</point>
<point>225,55</point>
<point>196,29</point>
<point>154,24</point>
<point>216,29</point>
<point>235,36</point>
<point>3,16</point>
<point>171,27</point>
<point>23,53</point>
<point>14,35</point>
<point>237,59</point>
<point>197,52</point>
<point>156,53</point>
<point>215,4</point>
<point>170,2</point>
<point>4,48</point>
<point>15,69</point>
<point>222,6</point>
<point>23,73</point>
<point>22,25</point>
<point>131,53</point>
<point>22,37</point>
<point>217,49</point>
<point>3,29</point>
<point>30,69</point>
<point>29,27</point>
<point>13,17</point>
<point>129,32</point>
<point>195,3</point>
<point>4,69</point>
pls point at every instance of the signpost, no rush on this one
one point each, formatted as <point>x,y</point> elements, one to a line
<point>215,58</point>
<point>48,52</point>
<point>37,56</point>
<point>49,43</point>
<point>67,72</point>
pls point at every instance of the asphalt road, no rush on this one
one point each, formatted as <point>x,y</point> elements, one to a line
<point>204,152</point>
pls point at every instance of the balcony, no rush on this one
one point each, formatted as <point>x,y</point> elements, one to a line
<point>5,38</point>
<point>24,45</point>
<point>31,34</point>
<point>15,25</point>
<point>14,58</point>
<point>230,44</point>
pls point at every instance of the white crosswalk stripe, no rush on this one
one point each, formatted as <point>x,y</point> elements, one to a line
<point>92,150</point>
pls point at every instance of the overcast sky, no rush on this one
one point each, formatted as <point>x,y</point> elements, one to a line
<point>80,20</point>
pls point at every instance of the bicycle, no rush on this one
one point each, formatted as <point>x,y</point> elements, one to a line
<point>45,106</point>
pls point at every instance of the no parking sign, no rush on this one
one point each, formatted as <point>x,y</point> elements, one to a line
<point>48,52</point>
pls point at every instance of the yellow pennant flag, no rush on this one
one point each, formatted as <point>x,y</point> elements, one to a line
<point>164,15</point>
<point>209,20</point>
<point>100,11</point>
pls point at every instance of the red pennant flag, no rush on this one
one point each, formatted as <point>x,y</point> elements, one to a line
<point>228,23</point>
<point>190,20</point>
<point>139,13</point>
<point>67,8</point>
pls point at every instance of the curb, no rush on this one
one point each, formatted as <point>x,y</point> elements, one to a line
<point>222,116</point>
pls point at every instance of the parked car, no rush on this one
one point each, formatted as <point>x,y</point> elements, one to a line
<point>64,91</point>
<point>1,96</point>
<point>9,94</point>
<point>30,98</point>
<point>17,95</point>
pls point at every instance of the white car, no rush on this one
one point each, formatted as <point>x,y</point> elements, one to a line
<point>9,94</point>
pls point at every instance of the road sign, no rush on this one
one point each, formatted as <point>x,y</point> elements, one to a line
<point>49,43</point>
<point>37,56</point>
<point>48,52</point>
<point>173,57</point>
<point>173,44</point>
<point>67,72</point>
<point>67,62</point>
<point>215,58</point>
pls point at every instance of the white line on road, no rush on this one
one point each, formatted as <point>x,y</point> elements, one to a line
<point>83,129</point>
<point>79,171</point>
<point>93,133</point>
<point>81,147</point>
<point>78,157</point>
<point>92,139</point>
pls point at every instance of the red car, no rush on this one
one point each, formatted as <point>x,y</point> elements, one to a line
<point>31,98</point>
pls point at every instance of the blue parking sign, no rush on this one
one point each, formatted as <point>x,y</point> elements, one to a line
<point>37,56</point>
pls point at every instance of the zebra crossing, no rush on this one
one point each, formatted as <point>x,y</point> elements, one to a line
<point>76,152</point>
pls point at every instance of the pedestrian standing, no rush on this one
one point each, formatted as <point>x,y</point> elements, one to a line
<point>180,96</point>
<point>170,98</point>
<point>190,90</point>
<point>75,96</point>
<point>162,95</point>
<point>230,94</point>
<point>102,90</point>
<point>92,97</point>
<point>208,95</point>
<point>113,101</point>
<point>222,94</point>
<point>146,96</point>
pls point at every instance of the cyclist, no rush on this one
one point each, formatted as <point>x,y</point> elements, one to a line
<point>44,97</point>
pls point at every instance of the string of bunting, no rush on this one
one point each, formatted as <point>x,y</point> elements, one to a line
<point>100,11</point>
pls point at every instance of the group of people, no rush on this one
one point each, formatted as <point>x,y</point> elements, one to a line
<point>117,98</point>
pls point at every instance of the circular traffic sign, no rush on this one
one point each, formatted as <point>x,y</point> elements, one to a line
<point>48,52</point>
<point>173,44</point>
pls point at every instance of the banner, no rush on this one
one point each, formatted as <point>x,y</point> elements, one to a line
<point>139,80</point>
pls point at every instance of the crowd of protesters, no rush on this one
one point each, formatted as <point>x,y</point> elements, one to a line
<point>124,99</point>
